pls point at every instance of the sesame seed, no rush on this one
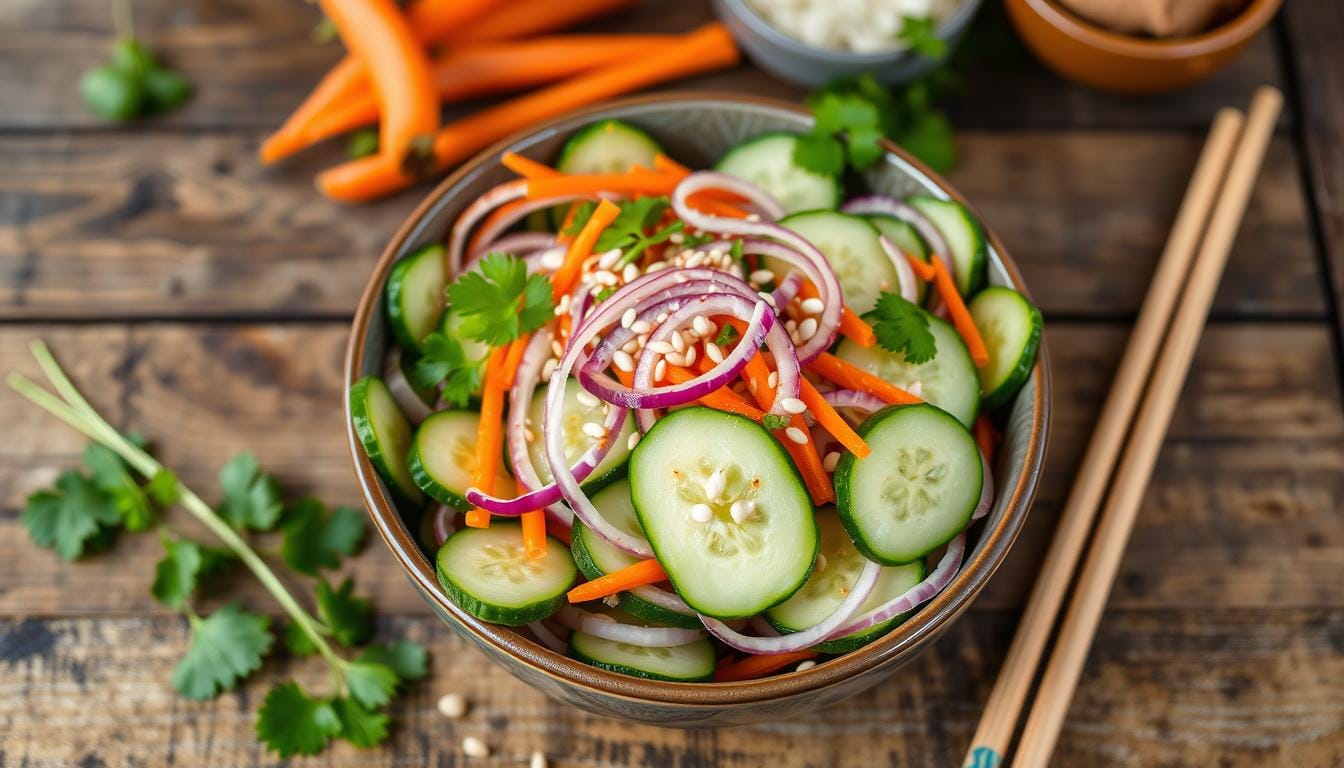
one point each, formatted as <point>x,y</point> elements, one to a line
<point>695,259</point>
<point>548,369</point>
<point>642,339</point>
<point>661,318</point>
<point>821,563</point>
<point>701,513</point>
<point>611,601</point>
<point>673,358</point>
<point>656,266</point>
<point>689,355</point>
<point>772,379</point>
<point>628,317</point>
<point>791,326</point>
<point>794,405</point>
<point>740,511</point>
<point>806,665</point>
<point>767,298</point>
<point>813,306</point>
<point>830,461</point>
<point>761,276</point>
<point>631,346</point>
<point>623,361</point>
<point>753,217</point>
<point>678,343</point>
<point>452,705</point>
<point>884,286</point>
<point>538,761</point>
<point>659,347</point>
<point>678,279</point>
<point>609,259</point>
<point>529,436</point>
<point>916,388</point>
<point>713,352</point>
<point>796,435</point>
<point>474,747</point>
<point>702,326</point>
<point>587,398</point>
<point>630,273</point>
<point>557,349</point>
<point>632,442</point>
<point>715,484</point>
<point>660,370</point>
<point>641,326</point>
<point>808,328</point>
<point>605,277</point>
<point>677,238</point>
<point>553,259</point>
<point>594,430</point>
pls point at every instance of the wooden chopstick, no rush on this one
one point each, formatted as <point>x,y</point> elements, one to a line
<point>1150,427</point>
<point>999,721</point>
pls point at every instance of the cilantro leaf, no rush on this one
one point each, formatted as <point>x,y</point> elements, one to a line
<point>603,293</point>
<point>226,646</point>
<point>163,488</point>
<point>929,138</point>
<point>500,302</point>
<point>629,225</point>
<point>74,517</point>
<point>297,641</point>
<point>372,684</point>
<point>445,360</point>
<point>291,723</point>
<point>359,726</point>
<point>903,327</point>
<point>727,335</point>
<point>820,153</point>
<point>185,563</point>
<point>920,33</point>
<point>113,477</point>
<point>864,111</point>
<point>251,497</point>
<point>315,539</point>
<point>775,421</point>
<point>350,618</point>
<point>407,659</point>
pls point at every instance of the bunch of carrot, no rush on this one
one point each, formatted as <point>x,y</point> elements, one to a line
<point>402,65</point>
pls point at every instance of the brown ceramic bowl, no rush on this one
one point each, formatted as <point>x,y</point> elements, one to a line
<point>696,129</point>
<point>1113,61</point>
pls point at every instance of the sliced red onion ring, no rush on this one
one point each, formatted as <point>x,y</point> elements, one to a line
<point>479,208</point>
<point>444,523</point>
<point>898,209</point>
<point>904,274</point>
<point>986,489</point>
<point>528,245</point>
<point>815,268</point>
<point>547,637</point>
<point>923,591</point>
<point>601,625</point>
<point>761,201</point>
<point>852,398</point>
<point>787,289</point>
<point>760,626</point>
<point>797,641</point>
<point>415,409</point>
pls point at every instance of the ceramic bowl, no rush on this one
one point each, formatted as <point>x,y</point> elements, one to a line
<point>1112,61</point>
<point>791,59</point>
<point>696,129</point>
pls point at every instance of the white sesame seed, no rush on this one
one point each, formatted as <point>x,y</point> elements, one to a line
<point>586,397</point>
<point>806,665</point>
<point>474,747</point>
<point>767,298</point>
<point>796,435</point>
<point>772,379</point>
<point>676,238</point>
<point>623,361</point>
<point>794,405</point>
<point>452,705</point>
<point>557,349</point>
<point>752,386</point>
<point>813,306</point>
<point>753,217</point>
<point>660,370</point>
<point>642,339</point>
<point>673,358</point>
<point>791,326</point>
<point>714,486</point>
<point>808,328</point>
<point>538,761</point>
<point>689,355</point>
<point>713,352</point>
<point>701,513</point>
<point>659,347</point>
<point>641,326</point>
<point>632,442</point>
<point>594,430</point>
<point>884,286</point>
<point>821,563</point>
<point>628,317</point>
<point>609,259</point>
<point>529,436</point>
<point>695,259</point>
<point>661,318</point>
<point>631,346</point>
<point>678,279</point>
<point>830,461</point>
<point>548,369</point>
<point>916,388</point>
<point>678,343</point>
<point>761,276</point>
<point>630,273</point>
<point>702,326</point>
<point>552,259</point>
<point>656,266</point>
<point>604,277</point>
<point>740,511</point>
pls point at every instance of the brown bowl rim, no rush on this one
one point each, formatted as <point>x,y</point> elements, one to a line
<point>1231,33</point>
<point>903,642</point>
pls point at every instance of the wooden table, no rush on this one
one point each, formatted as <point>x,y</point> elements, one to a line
<point>205,301</point>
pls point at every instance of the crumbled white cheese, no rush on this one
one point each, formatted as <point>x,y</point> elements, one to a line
<point>860,26</point>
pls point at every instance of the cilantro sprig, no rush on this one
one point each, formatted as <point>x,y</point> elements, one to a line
<point>902,327</point>
<point>920,34</point>
<point>133,83</point>
<point>499,301</point>
<point>633,230</point>
<point>84,511</point>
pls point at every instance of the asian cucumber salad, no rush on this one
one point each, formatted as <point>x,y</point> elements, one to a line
<point>695,425</point>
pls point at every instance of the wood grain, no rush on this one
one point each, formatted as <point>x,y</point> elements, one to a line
<point>1243,511</point>
<point>189,226</point>
<point>1170,688</point>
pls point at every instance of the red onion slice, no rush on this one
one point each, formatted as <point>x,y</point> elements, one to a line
<point>904,274</point>
<point>852,398</point>
<point>816,269</point>
<point>479,208</point>
<point>898,209</point>
<point>415,409</point>
<point>787,289</point>
<point>986,489</point>
<point>663,599</point>
<point>761,201</point>
<point>443,523</point>
<point>548,638</point>
<point>601,625</point>
<point>920,593</point>
<point>797,641</point>
<point>528,245</point>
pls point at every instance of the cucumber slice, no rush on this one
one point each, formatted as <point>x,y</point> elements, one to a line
<point>827,586</point>
<point>916,491</point>
<point>1011,328</point>
<point>722,568</point>
<point>487,573</point>
<point>415,296</point>
<point>767,162</point>
<point>443,458</point>
<point>596,558</point>
<point>851,246</point>
<point>576,413</point>
<point>385,434</point>
<point>690,663</point>
<point>450,325</point>
<point>607,146</point>
<point>949,381</point>
<point>964,238</point>
<point>904,236</point>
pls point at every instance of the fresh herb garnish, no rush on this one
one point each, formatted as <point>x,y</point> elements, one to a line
<point>362,143</point>
<point>902,327</point>
<point>920,33</point>
<point>500,302</point>
<point>727,335</point>
<point>629,230</point>
<point>604,293</point>
<point>774,421</point>
<point>446,361</point>
<point>132,83</point>
<point>83,512</point>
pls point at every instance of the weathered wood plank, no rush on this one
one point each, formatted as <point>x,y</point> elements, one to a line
<point>1162,688</point>
<point>136,225</point>
<point>1243,511</point>
<point>252,61</point>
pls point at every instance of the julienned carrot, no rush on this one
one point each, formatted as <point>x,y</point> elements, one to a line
<point>922,269</point>
<point>664,164</point>
<point>852,377</point>
<point>435,20</point>
<point>757,376</point>
<point>511,360</point>
<point>562,281</point>
<point>714,207</point>
<point>759,666</point>
<point>831,421</point>
<point>344,81</point>
<point>489,434</point>
<point>525,18</point>
<point>720,399</point>
<point>591,184</point>
<point>708,48</point>
<point>492,68</point>
<point>852,326</point>
<point>534,534</point>
<point>496,216</point>
<point>956,311</point>
<point>986,436</point>
<point>640,574</point>
<point>526,166</point>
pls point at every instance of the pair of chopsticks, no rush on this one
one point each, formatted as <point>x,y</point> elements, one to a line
<point>1163,342</point>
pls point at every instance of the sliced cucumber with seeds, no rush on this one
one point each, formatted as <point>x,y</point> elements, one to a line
<point>579,409</point>
<point>596,558</point>
<point>443,457</point>
<point>838,567</point>
<point>767,162</point>
<point>851,245</point>
<point>904,236</point>
<point>450,325</point>
<point>964,238</point>
<point>720,567</point>
<point>918,488</point>
<point>1011,328</point>
<point>690,663</point>
<point>949,381</point>
<point>384,433</point>
<point>607,146</point>
<point>489,575</point>
<point>415,296</point>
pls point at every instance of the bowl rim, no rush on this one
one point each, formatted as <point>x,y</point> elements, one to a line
<point>776,36</point>
<point>900,644</point>
<point>1231,33</point>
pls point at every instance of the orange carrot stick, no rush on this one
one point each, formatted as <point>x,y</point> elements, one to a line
<point>818,482</point>
<point>499,214</point>
<point>435,20</point>
<point>664,164</point>
<point>852,377</point>
<point>832,422</point>
<point>562,281</point>
<point>706,204</point>
<point>344,81</point>
<point>956,310</point>
<point>720,399</point>
<point>589,184</point>
<point>640,574</point>
<point>922,269</point>
<point>534,534</point>
<point>526,166</point>
<point>511,360</point>
<point>759,666</point>
<point>525,18</point>
<point>851,325</point>
<point>489,434</point>
<point>708,48</point>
